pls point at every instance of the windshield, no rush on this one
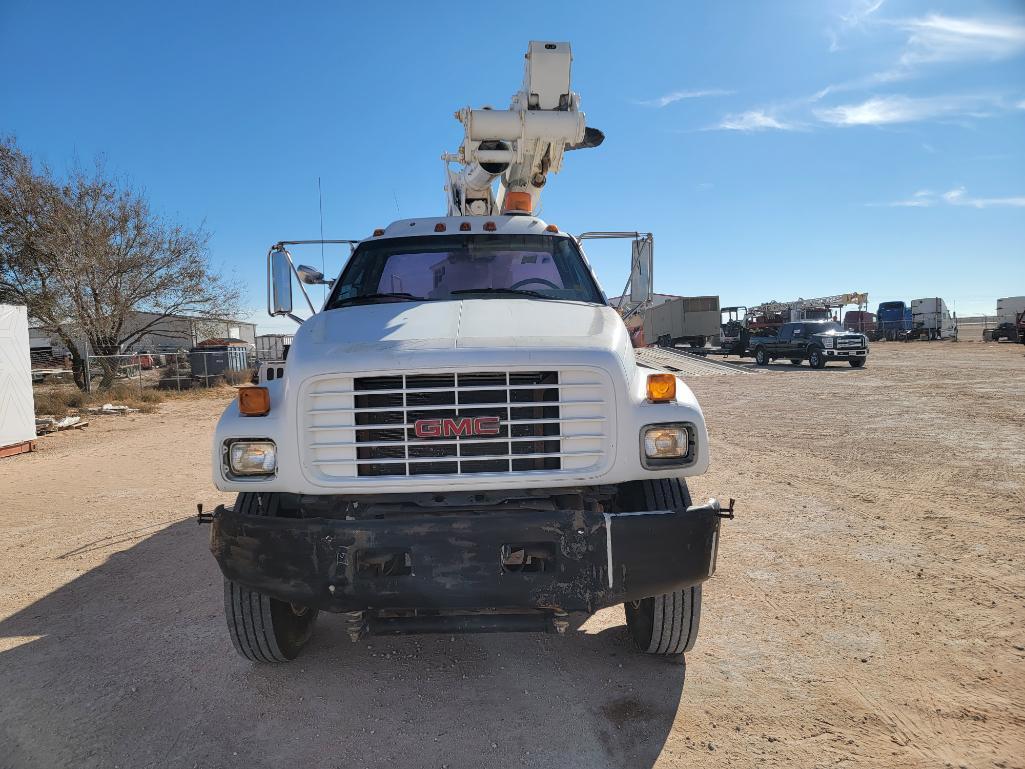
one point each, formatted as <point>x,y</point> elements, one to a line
<point>460,266</point>
<point>822,328</point>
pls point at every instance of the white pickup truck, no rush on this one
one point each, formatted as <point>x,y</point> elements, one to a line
<point>461,440</point>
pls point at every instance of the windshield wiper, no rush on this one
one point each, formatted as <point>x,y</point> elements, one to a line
<point>520,291</point>
<point>373,297</point>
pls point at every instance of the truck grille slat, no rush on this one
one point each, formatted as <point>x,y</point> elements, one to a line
<point>380,409</point>
<point>463,442</point>
<point>503,456</point>
<point>519,423</point>
<point>365,426</point>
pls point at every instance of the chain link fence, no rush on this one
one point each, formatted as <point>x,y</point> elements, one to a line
<point>175,371</point>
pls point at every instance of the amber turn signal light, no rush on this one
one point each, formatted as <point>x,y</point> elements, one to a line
<point>254,401</point>
<point>661,388</point>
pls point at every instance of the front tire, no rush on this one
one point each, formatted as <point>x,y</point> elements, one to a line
<point>816,358</point>
<point>663,624</point>
<point>264,629</point>
<point>857,362</point>
<point>761,357</point>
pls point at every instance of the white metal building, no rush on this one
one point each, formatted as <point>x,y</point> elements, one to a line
<point>17,410</point>
<point>175,332</point>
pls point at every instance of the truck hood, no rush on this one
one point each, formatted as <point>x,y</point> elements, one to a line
<point>467,324</point>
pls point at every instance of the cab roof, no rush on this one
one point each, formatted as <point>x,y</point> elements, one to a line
<point>504,225</point>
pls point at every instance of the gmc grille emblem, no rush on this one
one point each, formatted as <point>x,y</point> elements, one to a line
<point>449,427</point>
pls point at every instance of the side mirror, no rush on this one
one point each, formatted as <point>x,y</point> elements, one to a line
<point>311,276</point>
<point>280,282</point>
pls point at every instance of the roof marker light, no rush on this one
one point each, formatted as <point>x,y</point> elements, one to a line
<point>552,228</point>
<point>464,227</point>
<point>378,232</point>
<point>439,227</point>
<point>490,226</point>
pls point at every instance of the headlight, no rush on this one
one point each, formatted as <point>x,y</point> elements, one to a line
<point>252,457</point>
<point>665,445</point>
<point>827,341</point>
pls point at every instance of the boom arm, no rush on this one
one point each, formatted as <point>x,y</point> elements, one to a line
<point>521,145</point>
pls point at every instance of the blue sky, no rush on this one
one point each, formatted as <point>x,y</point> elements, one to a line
<point>776,150</point>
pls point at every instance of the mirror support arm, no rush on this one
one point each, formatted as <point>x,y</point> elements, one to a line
<point>270,304</point>
<point>281,246</point>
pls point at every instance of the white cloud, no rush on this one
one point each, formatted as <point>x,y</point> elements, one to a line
<point>938,38</point>
<point>675,96</point>
<point>860,12</point>
<point>752,120</point>
<point>897,108</point>
<point>932,39</point>
<point>957,196</point>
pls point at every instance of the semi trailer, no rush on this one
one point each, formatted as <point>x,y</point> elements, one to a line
<point>690,320</point>
<point>931,320</point>
<point>461,439</point>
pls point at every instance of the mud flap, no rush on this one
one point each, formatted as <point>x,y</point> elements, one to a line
<point>653,553</point>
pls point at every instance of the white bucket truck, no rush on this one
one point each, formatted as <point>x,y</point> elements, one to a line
<point>461,439</point>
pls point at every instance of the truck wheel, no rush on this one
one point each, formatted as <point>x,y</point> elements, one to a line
<point>816,359</point>
<point>857,362</point>
<point>796,361</point>
<point>264,629</point>
<point>667,623</point>
<point>761,357</point>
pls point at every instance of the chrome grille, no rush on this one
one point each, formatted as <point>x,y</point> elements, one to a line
<point>848,342</point>
<point>548,421</point>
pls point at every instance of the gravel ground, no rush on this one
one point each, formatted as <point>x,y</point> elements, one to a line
<point>868,609</point>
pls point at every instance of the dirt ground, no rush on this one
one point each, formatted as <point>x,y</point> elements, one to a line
<point>867,610</point>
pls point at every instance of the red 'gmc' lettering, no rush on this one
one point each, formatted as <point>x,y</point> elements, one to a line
<point>450,427</point>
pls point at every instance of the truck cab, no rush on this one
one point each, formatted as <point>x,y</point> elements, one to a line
<point>817,342</point>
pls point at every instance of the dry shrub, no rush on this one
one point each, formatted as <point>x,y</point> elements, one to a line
<point>236,378</point>
<point>54,402</point>
<point>58,401</point>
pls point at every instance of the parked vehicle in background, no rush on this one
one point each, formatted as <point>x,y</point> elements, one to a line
<point>931,320</point>
<point>1006,330</point>
<point>1009,308</point>
<point>893,320</point>
<point>817,342</point>
<point>693,320</point>
<point>862,321</point>
<point>732,329</point>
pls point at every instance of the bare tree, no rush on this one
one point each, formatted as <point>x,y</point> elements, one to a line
<point>86,253</point>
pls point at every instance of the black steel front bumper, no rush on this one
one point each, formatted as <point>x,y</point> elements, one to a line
<point>459,561</point>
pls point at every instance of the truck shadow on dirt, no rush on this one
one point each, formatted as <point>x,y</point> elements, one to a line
<point>130,664</point>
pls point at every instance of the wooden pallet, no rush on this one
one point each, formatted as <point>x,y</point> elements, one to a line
<point>17,448</point>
